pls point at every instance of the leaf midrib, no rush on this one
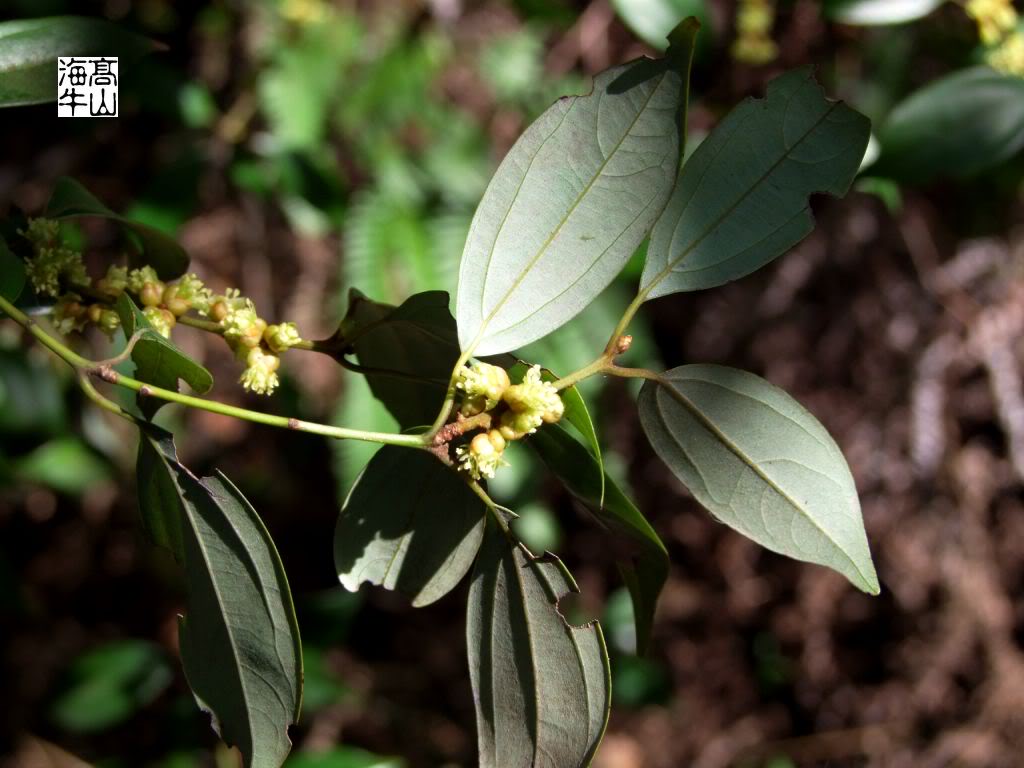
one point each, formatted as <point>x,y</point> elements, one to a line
<point>579,198</point>
<point>672,263</point>
<point>667,385</point>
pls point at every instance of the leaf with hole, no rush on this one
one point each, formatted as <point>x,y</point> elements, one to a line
<point>760,463</point>
<point>542,687</point>
<point>644,563</point>
<point>151,246</point>
<point>571,202</point>
<point>239,639</point>
<point>30,47</point>
<point>742,198</point>
<point>410,524</point>
<point>157,360</point>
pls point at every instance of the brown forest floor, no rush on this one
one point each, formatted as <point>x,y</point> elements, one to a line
<point>900,335</point>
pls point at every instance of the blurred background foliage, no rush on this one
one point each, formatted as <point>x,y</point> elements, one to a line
<point>301,148</point>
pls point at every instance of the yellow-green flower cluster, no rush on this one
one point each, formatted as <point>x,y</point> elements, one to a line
<point>753,43</point>
<point>527,405</point>
<point>1000,30</point>
<point>54,269</point>
<point>51,262</point>
<point>484,454</point>
<point>530,404</point>
<point>114,283</point>
<point>481,386</point>
<point>260,375</point>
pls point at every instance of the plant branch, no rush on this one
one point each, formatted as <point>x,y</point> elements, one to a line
<point>105,372</point>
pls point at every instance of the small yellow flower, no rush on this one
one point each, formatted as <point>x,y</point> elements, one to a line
<point>114,282</point>
<point>482,386</point>
<point>138,278</point>
<point>69,314</point>
<point>192,290</point>
<point>531,403</point>
<point>161,320</point>
<point>260,375</point>
<point>281,337</point>
<point>483,456</point>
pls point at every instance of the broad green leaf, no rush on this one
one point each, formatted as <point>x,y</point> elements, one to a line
<point>32,400</point>
<point>342,757</point>
<point>107,685</point>
<point>29,49</point>
<point>65,464</point>
<point>576,413</point>
<point>156,249</point>
<point>760,463</point>
<point>12,273</point>
<point>644,569</point>
<point>239,639</point>
<point>742,198</point>
<point>409,352</point>
<point>653,20</point>
<point>958,125</point>
<point>157,360</point>
<point>569,204</point>
<point>541,686</point>
<point>879,12</point>
<point>410,524</point>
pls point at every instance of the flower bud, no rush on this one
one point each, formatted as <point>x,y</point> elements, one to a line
<point>161,320</point>
<point>531,403</point>
<point>282,336</point>
<point>482,386</point>
<point>109,321</point>
<point>151,294</point>
<point>69,314</point>
<point>114,282</point>
<point>137,278</point>
<point>192,290</point>
<point>219,311</point>
<point>483,455</point>
<point>93,313</point>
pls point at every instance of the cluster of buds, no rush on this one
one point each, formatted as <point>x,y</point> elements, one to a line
<point>58,271</point>
<point>527,406</point>
<point>754,44</point>
<point>52,264</point>
<point>162,303</point>
<point>1000,31</point>
<point>483,455</point>
<point>255,342</point>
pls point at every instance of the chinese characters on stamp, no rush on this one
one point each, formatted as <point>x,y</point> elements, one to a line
<point>87,86</point>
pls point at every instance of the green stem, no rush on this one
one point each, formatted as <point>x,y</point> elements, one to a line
<point>627,318</point>
<point>634,373</point>
<point>449,399</point>
<point>598,366</point>
<point>86,368</point>
<point>211,327</point>
<point>92,393</point>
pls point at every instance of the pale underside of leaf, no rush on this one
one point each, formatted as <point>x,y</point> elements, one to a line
<point>568,206</point>
<point>742,199</point>
<point>760,463</point>
<point>541,686</point>
<point>410,524</point>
